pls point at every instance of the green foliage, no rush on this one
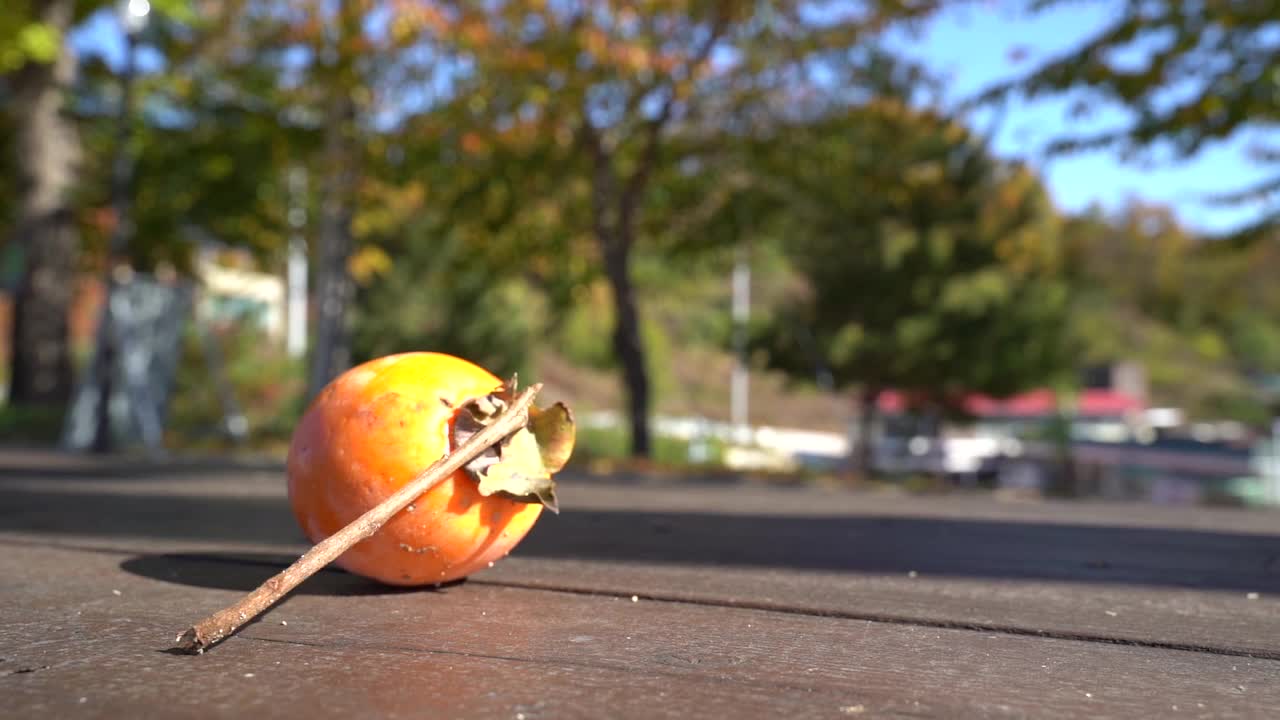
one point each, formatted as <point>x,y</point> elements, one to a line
<point>210,153</point>
<point>1254,337</point>
<point>1190,73</point>
<point>26,37</point>
<point>34,32</point>
<point>601,89</point>
<point>584,333</point>
<point>597,444</point>
<point>266,384</point>
<point>440,295</point>
<point>926,265</point>
<point>30,425</point>
<point>32,42</point>
<point>503,148</point>
<point>1198,315</point>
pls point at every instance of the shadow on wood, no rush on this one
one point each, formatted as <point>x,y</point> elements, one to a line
<point>245,571</point>
<point>853,543</point>
<point>937,547</point>
<point>52,465</point>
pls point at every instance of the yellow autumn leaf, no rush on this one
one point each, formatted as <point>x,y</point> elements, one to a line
<point>367,263</point>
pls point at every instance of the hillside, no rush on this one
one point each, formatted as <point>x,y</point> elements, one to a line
<point>697,385</point>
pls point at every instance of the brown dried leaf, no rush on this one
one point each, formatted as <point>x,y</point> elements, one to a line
<point>519,466</point>
<point>519,473</point>
<point>556,434</point>
<point>471,418</point>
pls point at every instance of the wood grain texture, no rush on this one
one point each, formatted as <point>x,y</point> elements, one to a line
<point>752,601</point>
<point>1164,576</point>
<point>73,647</point>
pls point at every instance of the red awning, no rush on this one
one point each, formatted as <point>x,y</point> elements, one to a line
<point>1036,403</point>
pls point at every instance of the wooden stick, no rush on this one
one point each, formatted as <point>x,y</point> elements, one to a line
<point>222,624</point>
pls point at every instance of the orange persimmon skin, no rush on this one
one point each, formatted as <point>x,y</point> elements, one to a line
<point>369,432</point>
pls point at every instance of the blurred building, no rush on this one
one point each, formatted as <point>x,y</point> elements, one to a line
<point>1102,441</point>
<point>85,309</point>
<point>234,293</point>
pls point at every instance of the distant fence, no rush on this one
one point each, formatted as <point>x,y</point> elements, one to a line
<point>1174,470</point>
<point>1184,459</point>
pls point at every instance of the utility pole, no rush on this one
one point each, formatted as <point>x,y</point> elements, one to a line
<point>296,270</point>
<point>133,18</point>
<point>739,410</point>
<point>1274,481</point>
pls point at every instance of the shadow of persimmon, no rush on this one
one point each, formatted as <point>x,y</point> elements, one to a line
<point>245,571</point>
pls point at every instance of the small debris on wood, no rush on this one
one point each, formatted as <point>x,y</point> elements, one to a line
<point>1252,596</point>
<point>635,598</point>
<point>116,592</point>
<point>1112,613</point>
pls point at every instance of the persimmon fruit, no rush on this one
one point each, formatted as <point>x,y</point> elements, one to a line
<point>373,429</point>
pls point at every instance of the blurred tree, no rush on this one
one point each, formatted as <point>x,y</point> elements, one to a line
<point>250,92</point>
<point>1196,314</point>
<point>38,70</point>
<point>924,265</point>
<point>1190,73</point>
<point>446,295</point>
<point>318,63</point>
<point>605,85</point>
<point>365,75</point>
<point>8,193</point>
<point>209,147</point>
<point>339,163</point>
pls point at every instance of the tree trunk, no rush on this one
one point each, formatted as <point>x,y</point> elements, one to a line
<point>334,289</point>
<point>628,345</point>
<point>614,211</point>
<point>48,151</point>
<point>41,367</point>
<point>861,432</point>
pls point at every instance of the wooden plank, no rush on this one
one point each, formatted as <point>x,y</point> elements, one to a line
<point>1232,625</point>
<point>1065,573</point>
<point>1160,576</point>
<point>72,646</point>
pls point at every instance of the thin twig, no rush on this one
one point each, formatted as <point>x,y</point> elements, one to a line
<point>224,623</point>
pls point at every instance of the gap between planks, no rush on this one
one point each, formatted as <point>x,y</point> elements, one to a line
<point>887,619</point>
<point>765,606</point>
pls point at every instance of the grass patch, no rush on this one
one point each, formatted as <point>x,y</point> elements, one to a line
<point>30,425</point>
<point>597,445</point>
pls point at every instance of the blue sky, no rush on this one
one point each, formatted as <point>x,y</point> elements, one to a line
<point>969,45</point>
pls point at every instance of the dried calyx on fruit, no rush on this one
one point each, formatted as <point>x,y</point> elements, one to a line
<point>520,466</point>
